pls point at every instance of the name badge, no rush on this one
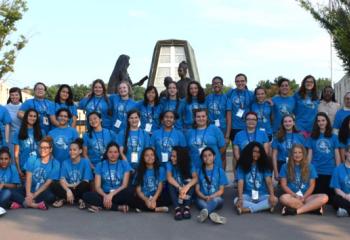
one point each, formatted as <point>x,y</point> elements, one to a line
<point>287,158</point>
<point>217,122</point>
<point>46,121</point>
<point>262,129</point>
<point>148,127</point>
<point>117,123</point>
<point>134,157</point>
<point>32,154</point>
<point>255,195</point>
<point>240,113</point>
<point>299,193</point>
<point>165,157</point>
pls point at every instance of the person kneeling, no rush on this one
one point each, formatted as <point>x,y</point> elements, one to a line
<point>298,182</point>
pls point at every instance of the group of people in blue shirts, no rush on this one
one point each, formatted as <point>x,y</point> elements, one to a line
<point>166,151</point>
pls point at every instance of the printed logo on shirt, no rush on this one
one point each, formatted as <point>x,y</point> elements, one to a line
<point>308,103</point>
<point>257,180</point>
<point>151,184</point>
<point>214,107</point>
<point>39,176</point>
<point>91,108</point>
<point>99,147</point>
<point>112,178</point>
<point>323,146</point>
<point>209,188</point>
<point>167,144</point>
<point>283,109</point>
<point>133,144</point>
<point>74,176</point>
<point>61,143</point>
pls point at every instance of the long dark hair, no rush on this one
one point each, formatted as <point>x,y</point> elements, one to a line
<point>69,101</point>
<point>90,129</point>
<point>142,166</point>
<point>145,100</point>
<point>127,130</point>
<point>344,131</point>
<point>201,94</point>
<point>183,161</point>
<point>302,91</point>
<point>203,163</point>
<point>316,129</point>
<point>246,158</point>
<point>12,90</point>
<point>100,81</point>
<point>23,131</point>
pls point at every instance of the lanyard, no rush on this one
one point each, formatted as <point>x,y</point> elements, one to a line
<point>254,176</point>
<point>249,136</point>
<point>241,104</point>
<point>289,146</point>
<point>134,147</point>
<point>40,104</point>
<point>217,111</point>
<point>202,139</point>
<point>150,114</point>
<point>96,104</point>
<point>165,144</point>
<point>100,148</point>
<point>110,174</point>
<point>125,105</point>
<point>298,180</point>
<point>210,181</point>
<point>261,111</point>
<point>31,143</point>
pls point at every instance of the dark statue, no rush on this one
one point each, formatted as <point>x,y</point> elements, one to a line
<point>120,73</point>
<point>184,81</point>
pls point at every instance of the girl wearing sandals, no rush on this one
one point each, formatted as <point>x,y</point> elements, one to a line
<point>111,183</point>
<point>40,173</point>
<point>150,179</point>
<point>210,188</point>
<point>255,188</point>
<point>298,182</point>
<point>75,176</point>
<point>181,177</point>
<point>9,179</point>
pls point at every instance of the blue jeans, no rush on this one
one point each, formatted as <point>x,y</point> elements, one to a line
<point>256,206</point>
<point>174,195</point>
<point>5,195</point>
<point>211,205</point>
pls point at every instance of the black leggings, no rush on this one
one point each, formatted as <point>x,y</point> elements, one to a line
<point>78,192</point>
<point>122,198</point>
<point>162,201</point>
<point>322,186</point>
<point>339,202</point>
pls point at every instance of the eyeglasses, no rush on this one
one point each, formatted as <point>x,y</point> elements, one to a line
<point>44,148</point>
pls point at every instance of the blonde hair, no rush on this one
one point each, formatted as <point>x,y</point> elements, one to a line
<point>304,164</point>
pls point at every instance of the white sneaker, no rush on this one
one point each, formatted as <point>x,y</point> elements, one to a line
<point>216,218</point>
<point>203,215</point>
<point>341,212</point>
<point>2,211</point>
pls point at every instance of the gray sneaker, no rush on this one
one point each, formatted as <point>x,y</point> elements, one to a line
<point>216,218</point>
<point>203,215</point>
<point>342,212</point>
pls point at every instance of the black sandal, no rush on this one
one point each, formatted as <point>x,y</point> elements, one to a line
<point>178,214</point>
<point>186,213</point>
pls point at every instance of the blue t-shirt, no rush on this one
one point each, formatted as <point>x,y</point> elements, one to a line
<point>340,115</point>
<point>189,108</point>
<point>239,101</point>
<point>176,174</point>
<point>42,106</point>
<point>243,138</point>
<point>9,175</point>
<point>177,106</point>
<point>62,138</point>
<point>164,141</point>
<point>28,147</point>
<point>341,178</point>
<point>197,139</point>
<point>298,183</point>
<point>42,172</point>
<point>253,180</point>
<point>100,105</point>
<point>264,111</point>
<point>97,144</point>
<point>149,114</point>
<point>151,180</point>
<point>323,156</point>
<point>120,111</point>
<point>217,178</point>
<point>112,174</point>
<point>281,106</point>
<point>57,106</point>
<point>137,141</point>
<point>305,112</point>
<point>5,119</point>
<point>74,173</point>
<point>286,145</point>
<point>217,107</point>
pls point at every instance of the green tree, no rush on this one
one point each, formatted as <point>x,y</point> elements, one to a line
<point>321,83</point>
<point>80,91</point>
<point>138,92</point>
<point>335,18</point>
<point>51,92</point>
<point>11,11</point>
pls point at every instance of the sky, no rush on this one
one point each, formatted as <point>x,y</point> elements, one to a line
<point>79,41</point>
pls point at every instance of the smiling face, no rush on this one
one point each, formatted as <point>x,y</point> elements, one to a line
<point>113,154</point>
<point>173,157</point>
<point>32,118</point>
<point>297,155</point>
<point>168,119</point>
<point>45,149</point>
<point>64,94</point>
<point>134,120</point>
<point>151,95</point>
<point>149,158</point>
<point>309,83</point>
<point>4,160</point>
<point>321,122</point>
<point>94,121</point>
<point>74,151</point>
<point>172,90</point>
<point>260,95</point>
<point>256,154</point>
<point>15,98</point>
<point>217,85</point>
<point>241,82</point>
<point>194,90</point>
<point>63,118</point>
<point>251,121</point>
<point>284,88</point>
<point>208,158</point>
<point>288,123</point>
<point>98,89</point>
<point>123,89</point>
<point>39,91</point>
<point>201,119</point>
